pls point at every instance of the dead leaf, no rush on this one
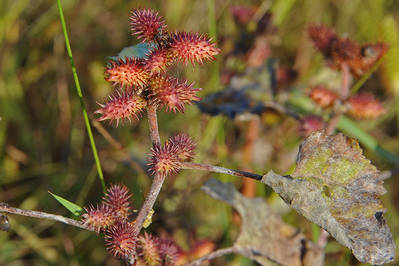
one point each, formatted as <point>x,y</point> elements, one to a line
<point>264,237</point>
<point>336,187</point>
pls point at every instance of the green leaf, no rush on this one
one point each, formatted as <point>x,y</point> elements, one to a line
<point>72,207</point>
<point>139,51</point>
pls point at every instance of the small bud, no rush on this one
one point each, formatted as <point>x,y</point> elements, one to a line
<point>98,218</point>
<point>311,123</point>
<point>147,24</point>
<point>242,14</point>
<point>323,97</point>
<point>370,54</point>
<point>120,240</point>
<point>164,160</point>
<point>130,74</point>
<point>159,60</point>
<point>117,198</point>
<point>122,105</point>
<point>323,38</point>
<point>168,252</point>
<point>188,46</point>
<point>338,51</point>
<point>172,94</point>
<point>365,106</point>
<point>149,250</point>
<point>185,147</point>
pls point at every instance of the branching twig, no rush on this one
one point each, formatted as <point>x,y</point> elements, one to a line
<point>42,215</point>
<point>211,256</point>
<point>158,179</point>
<point>218,169</point>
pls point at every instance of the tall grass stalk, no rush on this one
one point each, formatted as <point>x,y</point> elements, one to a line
<point>80,95</point>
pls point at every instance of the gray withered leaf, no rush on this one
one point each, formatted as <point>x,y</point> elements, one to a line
<point>336,187</point>
<point>264,236</point>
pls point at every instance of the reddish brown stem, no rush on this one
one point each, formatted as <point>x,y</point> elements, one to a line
<point>249,186</point>
<point>158,179</point>
<point>345,84</point>
<point>323,238</point>
<point>42,215</point>
<point>345,81</point>
<point>153,124</point>
<point>332,124</point>
<point>218,169</point>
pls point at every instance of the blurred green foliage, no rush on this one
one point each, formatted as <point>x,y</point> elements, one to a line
<point>44,146</point>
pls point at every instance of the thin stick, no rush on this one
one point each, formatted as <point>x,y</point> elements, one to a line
<point>153,123</point>
<point>218,169</point>
<point>42,215</point>
<point>345,81</point>
<point>211,256</point>
<point>332,124</point>
<point>345,84</point>
<point>118,146</point>
<point>158,179</point>
<point>323,238</point>
<point>80,95</point>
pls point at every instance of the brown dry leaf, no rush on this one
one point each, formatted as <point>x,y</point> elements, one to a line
<point>264,237</point>
<point>336,187</point>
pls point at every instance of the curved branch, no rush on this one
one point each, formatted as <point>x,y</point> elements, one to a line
<point>158,179</point>
<point>42,215</point>
<point>218,169</point>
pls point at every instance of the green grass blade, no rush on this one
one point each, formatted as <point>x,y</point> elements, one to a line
<point>366,76</point>
<point>79,91</point>
<point>70,206</point>
<point>351,128</point>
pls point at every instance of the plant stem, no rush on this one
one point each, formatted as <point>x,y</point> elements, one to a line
<point>80,95</point>
<point>218,169</point>
<point>211,256</point>
<point>345,81</point>
<point>153,123</point>
<point>332,124</point>
<point>42,215</point>
<point>158,179</point>
<point>323,238</point>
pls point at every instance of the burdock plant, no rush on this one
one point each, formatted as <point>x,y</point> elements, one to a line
<point>139,84</point>
<point>333,184</point>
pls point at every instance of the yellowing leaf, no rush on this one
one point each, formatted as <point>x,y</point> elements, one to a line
<point>336,187</point>
<point>148,220</point>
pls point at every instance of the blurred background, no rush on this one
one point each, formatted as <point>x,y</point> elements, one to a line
<point>266,56</point>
